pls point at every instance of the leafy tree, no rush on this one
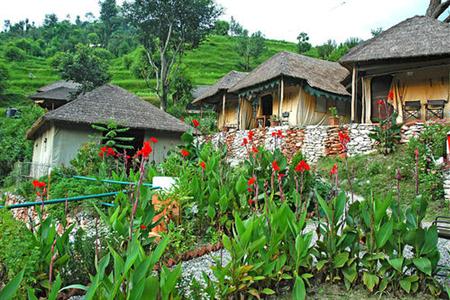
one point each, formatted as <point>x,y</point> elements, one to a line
<point>50,20</point>
<point>326,49</point>
<point>166,29</point>
<point>4,75</point>
<point>108,12</point>
<point>303,44</point>
<point>85,67</point>
<point>221,27</point>
<point>13,53</point>
<point>236,29</point>
<point>376,32</point>
<point>250,47</point>
<point>352,42</point>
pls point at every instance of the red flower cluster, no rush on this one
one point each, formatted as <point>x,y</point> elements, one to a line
<point>277,134</point>
<point>380,102</point>
<point>196,123</point>
<point>143,227</point>
<point>153,140</point>
<point>108,151</point>
<point>391,95</point>
<point>302,166</point>
<point>254,149</point>
<point>250,135</point>
<point>275,166</point>
<point>343,138</point>
<point>145,150</point>
<point>251,181</point>
<point>203,165</point>
<point>334,170</point>
<point>184,153</point>
<point>38,184</point>
<point>244,142</point>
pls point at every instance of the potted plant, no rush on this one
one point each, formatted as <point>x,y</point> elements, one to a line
<point>274,121</point>
<point>333,119</point>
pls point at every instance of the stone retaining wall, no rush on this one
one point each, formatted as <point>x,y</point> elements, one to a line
<point>313,141</point>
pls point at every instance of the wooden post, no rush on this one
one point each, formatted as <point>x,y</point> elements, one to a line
<point>280,104</point>
<point>354,84</point>
<point>223,108</point>
<point>239,113</point>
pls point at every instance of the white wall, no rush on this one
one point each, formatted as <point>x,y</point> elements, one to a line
<point>42,153</point>
<point>166,142</point>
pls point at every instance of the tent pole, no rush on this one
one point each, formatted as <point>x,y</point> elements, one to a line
<point>223,109</point>
<point>239,113</point>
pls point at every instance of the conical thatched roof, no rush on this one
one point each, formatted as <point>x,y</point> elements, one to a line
<point>419,36</point>
<point>321,74</point>
<point>59,93</point>
<point>223,84</point>
<point>69,84</point>
<point>110,102</point>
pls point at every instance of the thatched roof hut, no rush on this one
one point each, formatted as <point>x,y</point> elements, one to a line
<point>55,94</point>
<point>317,73</point>
<point>110,102</point>
<point>416,37</point>
<point>221,86</point>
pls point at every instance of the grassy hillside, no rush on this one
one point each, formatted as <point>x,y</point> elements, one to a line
<point>215,57</point>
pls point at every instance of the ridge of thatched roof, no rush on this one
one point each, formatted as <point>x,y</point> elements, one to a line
<point>419,36</point>
<point>69,84</point>
<point>110,102</point>
<point>199,90</point>
<point>223,84</point>
<point>60,93</point>
<point>321,74</point>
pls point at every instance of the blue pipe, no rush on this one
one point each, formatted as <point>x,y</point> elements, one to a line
<point>63,200</point>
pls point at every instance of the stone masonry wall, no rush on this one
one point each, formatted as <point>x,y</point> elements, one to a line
<point>313,141</point>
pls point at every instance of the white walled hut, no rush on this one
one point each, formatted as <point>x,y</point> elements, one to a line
<point>59,134</point>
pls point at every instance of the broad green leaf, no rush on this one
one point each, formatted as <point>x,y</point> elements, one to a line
<point>350,273</point>
<point>323,204</point>
<point>405,285</point>
<point>431,240</point>
<point>56,285</point>
<point>397,263</point>
<point>384,234</point>
<point>340,259</point>
<point>370,280</point>
<point>241,185</point>
<point>423,264</point>
<point>31,294</point>
<point>11,288</point>
<point>299,291</point>
<point>339,206</point>
<point>151,289</point>
<point>268,291</point>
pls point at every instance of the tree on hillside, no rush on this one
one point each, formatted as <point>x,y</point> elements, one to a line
<point>303,44</point>
<point>326,49</point>
<point>236,29</point>
<point>166,29</point>
<point>250,47</point>
<point>108,14</point>
<point>4,75</point>
<point>436,8</point>
<point>221,27</point>
<point>85,67</point>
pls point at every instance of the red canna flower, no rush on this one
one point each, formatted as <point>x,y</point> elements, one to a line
<point>110,152</point>
<point>251,202</point>
<point>343,138</point>
<point>279,133</point>
<point>203,165</point>
<point>275,166</point>
<point>254,149</point>
<point>251,181</point>
<point>391,95</point>
<point>302,166</point>
<point>145,151</point>
<point>380,102</point>
<point>244,142</point>
<point>143,227</point>
<point>153,140</point>
<point>38,184</point>
<point>184,153</point>
<point>280,176</point>
<point>249,190</point>
<point>250,135</point>
<point>196,123</point>
<point>334,170</point>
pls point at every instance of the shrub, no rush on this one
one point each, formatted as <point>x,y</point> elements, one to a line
<point>13,53</point>
<point>103,53</point>
<point>4,75</point>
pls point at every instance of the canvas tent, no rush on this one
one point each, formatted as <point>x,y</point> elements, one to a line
<point>60,133</point>
<point>409,62</point>
<point>225,103</point>
<point>296,89</point>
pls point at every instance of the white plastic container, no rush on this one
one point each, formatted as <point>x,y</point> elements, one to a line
<point>164,182</point>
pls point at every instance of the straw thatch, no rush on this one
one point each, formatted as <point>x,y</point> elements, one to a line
<point>419,36</point>
<point>69,84</point>
<point>110,102</point>
<point>58,94</point>
<point>223,84</point>
<point>321,74</point>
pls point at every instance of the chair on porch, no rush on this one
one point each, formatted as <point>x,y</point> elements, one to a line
<point>435,109</point>
<point>411,110</point>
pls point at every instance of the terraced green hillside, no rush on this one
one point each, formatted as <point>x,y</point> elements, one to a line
<point>215,57</point>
